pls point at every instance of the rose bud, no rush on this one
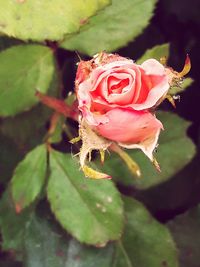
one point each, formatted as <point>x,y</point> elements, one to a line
<point>116,98</point>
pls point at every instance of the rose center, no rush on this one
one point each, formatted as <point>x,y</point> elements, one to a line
<point>116,86</point>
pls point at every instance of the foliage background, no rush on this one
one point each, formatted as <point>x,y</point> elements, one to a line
<point>33,237</point>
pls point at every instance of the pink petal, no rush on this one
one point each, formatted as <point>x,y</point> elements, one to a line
<point>155,80</point>
<point>132,129</point>
<point>153,67</point>
<point>154,95</point>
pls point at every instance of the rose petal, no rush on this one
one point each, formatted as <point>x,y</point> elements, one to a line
<point>153,67</point>
<point>119,63</point>
<point>155,84</point>
<point>127,92</point>
<point>132,129</point>
<point>83,71</point>
<point>92,118</point>
<point>129,78</point>
<point>157,92</point>
<point>98,74</point>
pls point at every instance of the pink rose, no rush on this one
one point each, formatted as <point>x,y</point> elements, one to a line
<point>116,98</point>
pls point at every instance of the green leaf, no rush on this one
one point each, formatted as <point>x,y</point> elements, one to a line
<point>45,20</point>
<point>29,177</point>
<point>80,255</point>
<point>12,225</point>
<point>185,229</point>
<point>27,129</point>
<point>39,241</point>
<point>32,236</point>
<point>112,28</point>
<point>145,242</point>
<point>43,244</point>
<point>185,84</point>
<point>174,152</point>
<point>23,69</point>
<point>156,52</point>
<point>59,251</point>
<point>90,210</point>
<point>56,136</point>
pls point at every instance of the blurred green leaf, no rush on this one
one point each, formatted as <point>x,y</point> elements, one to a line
<point>56,136</point>
<point>39,241</point>
<point>29,177</point>
<point>185,229</point>
<point>156,52</point>
<point>163,199</point>
<point>112,28</point>
<point>91,210</point>
<point>12,225</point>
<point>43,245</point>
<point>32,237</point>
<point>27,129</point>
<point>46,246</point>
<point>9,157</point>
<point>43,20</point>
<point>177,90</point>
<point>23,69</point>
<point>145,242</point>
<point>80,255</point>
<point>175,151</point>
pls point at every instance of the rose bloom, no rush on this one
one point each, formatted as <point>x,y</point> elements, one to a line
<point>117,98</point>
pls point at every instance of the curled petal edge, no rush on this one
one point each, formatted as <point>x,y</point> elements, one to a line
<point>147,146</point>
